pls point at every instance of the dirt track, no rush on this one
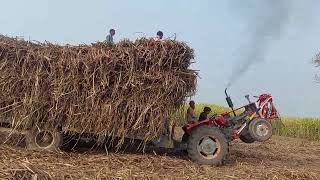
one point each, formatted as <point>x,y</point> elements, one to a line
<point>279,158</point>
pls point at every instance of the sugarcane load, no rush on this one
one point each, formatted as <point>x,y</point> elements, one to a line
<point>127,89</point>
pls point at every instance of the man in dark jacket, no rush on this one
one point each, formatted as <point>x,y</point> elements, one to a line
<point>204,115</point>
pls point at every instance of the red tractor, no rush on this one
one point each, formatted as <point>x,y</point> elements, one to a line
<point>208,141</point>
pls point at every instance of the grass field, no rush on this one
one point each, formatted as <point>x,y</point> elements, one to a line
<point>307,128</point>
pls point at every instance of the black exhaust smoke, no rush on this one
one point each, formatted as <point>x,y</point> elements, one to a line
<point>266,21</point>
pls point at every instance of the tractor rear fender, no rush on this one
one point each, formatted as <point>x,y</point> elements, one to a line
<point>188,128</point>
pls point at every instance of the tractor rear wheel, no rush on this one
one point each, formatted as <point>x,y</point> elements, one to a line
<point>260,129</point>
<point>207,145</point>
<point>39,139</point>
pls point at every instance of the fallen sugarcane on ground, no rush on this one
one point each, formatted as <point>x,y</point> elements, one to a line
<point>122,90</point>
<point>279,158</point>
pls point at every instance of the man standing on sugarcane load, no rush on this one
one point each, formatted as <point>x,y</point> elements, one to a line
<point>159,36</point>
<point>109,38</point>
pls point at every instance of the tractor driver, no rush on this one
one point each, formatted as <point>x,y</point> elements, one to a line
<point>190,116</point>
<point>204,115</point>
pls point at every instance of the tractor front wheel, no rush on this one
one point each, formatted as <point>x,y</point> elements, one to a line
<point>260,129</point>
<point>207,145</point>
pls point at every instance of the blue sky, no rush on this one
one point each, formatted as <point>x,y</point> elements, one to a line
<point>219,32</point>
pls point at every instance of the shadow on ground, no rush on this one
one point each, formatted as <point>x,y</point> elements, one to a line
<point>77,145</point>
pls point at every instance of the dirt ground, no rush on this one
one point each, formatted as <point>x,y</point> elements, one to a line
<point>279,158</point>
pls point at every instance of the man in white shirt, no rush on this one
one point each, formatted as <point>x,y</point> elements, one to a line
<point>109,38</point>
<point>190,116</point>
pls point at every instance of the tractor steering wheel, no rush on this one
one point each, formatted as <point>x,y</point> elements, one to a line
<point>213,116</point>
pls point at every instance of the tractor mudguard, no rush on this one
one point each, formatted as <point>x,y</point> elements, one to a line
<point>188,128</point>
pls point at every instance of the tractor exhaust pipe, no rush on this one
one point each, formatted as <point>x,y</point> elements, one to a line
<point>229,101</point>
